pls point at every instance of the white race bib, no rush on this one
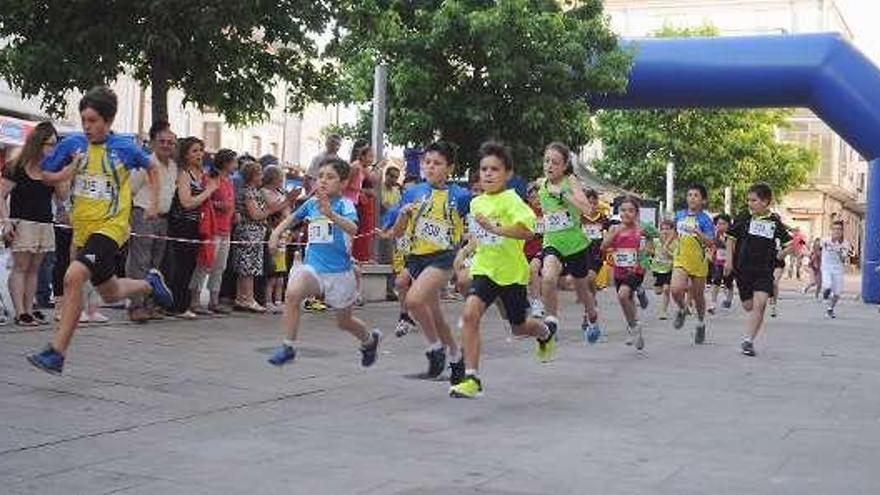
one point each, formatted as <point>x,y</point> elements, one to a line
<point>403,244</point>
<point>626,258</point>
<point>433,231</point>
<point>320,232</point>
<point>539,226</point>
<point>592,231</point>
<point>685,227</point>
<point>762,228</point>
<point>94,187</point>
<point>721,254</point>
<point>557,220</point>
<point>481,235</point>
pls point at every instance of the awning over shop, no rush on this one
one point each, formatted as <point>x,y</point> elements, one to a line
<point>13,132</point>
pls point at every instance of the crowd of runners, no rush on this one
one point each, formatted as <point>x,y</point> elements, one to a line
<point>497,247</point>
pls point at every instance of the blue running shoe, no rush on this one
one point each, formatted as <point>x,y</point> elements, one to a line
<point>161,293</point>
<point>283,355</point>
<point>48,360</point>
<point>592,332</point>
<point>371,352</point>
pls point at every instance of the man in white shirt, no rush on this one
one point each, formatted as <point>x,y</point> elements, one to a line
<point>331,145</point>
<point>834,254</point>
<point>145,253</point>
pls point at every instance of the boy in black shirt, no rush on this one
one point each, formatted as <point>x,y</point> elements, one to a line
<point>753,239</point>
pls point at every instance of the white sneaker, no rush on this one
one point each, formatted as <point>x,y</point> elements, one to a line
<point>639,339</point>
<point>630,335</point>
<point>84,317</point>
<point>97,317</point>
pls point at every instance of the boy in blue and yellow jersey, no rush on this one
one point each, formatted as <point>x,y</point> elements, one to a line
<point>431,217</point>
<point>98,164</point>
<point>696,233</point>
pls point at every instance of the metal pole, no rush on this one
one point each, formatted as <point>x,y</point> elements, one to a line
<point>670,186</point>
<point>728,199</point>
<point>380,83</point>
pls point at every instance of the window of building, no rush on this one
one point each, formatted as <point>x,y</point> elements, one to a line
<point>256,146</point>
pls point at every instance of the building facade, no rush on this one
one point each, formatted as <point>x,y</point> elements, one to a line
<point>836,190</point>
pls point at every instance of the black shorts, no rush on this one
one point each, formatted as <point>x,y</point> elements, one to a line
<point>717,277</point>
<point>750,282</point>
<point>594,256</point>
<point>631,280</point>
<point>99,256</point>
<point>513,297</point>
<point>416,263</point>
<point>574,265</point>
<point>661,279</point>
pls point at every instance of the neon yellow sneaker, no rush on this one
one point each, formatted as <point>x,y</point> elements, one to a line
<point>546,349</point>
<point>469,388</point>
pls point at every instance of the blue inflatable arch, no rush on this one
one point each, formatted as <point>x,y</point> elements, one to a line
<point>822,72</point>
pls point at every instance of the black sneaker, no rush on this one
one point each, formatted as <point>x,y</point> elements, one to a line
<point>700,333</point>
<point>748,348</point>
<point>456,372</point>
<point>370,353</point>
<point>436,363</point>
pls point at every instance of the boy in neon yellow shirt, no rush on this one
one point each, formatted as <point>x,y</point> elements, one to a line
<point>502,224</point>
<point>98,164</point>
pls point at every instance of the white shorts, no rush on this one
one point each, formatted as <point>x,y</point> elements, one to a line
<point>339,290</point>
<point>833,280</point>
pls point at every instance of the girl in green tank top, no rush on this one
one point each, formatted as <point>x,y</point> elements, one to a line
<point>562,218</point>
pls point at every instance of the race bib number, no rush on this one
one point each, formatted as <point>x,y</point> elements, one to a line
<point>592,231</point>
<point>437,233</point>
<point>403,244</point>
<point>539,226</point>
<point>685,227</point>
<point>626,258</point>
<point>762,228</point>
<point>483,236</point>
<point>320,232</point>
<point>94,187</point>
<point>557,220</point>
<point>721,254</point>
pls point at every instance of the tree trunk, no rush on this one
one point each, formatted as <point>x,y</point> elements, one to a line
<point>159,88</point>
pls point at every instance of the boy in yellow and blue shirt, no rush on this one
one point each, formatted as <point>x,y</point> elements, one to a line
<point>696,233</point>
<point>430,217</point>
<point>98,163</point>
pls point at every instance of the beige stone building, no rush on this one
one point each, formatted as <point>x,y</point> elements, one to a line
<point>837,188</point>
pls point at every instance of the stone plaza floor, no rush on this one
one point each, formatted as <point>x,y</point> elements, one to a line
<point>193,408</point>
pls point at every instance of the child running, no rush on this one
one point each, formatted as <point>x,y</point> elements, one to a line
<point>431,215</point>
<point>565,245</point>
<point>626,241</point>
<point>664,249</point>
<point>98,162</point>
<point>753,240</point>
<point>690,266</point>
<point>834,253</point>
<point>594,226</point>
<point>499,271</point>
<point>532,249</point>
<point>719,258</point>
<point>328,270</point>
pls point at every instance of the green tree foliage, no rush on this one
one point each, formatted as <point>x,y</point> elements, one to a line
<point>470,70</point>
<point>222,55</point>
<point>717,148</point>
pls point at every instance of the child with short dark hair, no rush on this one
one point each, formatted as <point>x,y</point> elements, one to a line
<point>719,257</point>
<point>98,163</point>
<point>665,246</point>
<point>502,224</point>
<point>753,242</point>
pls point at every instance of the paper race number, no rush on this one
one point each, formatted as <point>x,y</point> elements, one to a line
<point>94,187</point>
<point>592,230</point>
<point>437,233</point>
<point>320,232</point>
<point>626,258</point>
<point>482,235</point>
<point>557,220</point>
<point>762,228</point>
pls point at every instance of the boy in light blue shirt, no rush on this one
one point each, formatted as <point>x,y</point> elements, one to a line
<point>327,271</point>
